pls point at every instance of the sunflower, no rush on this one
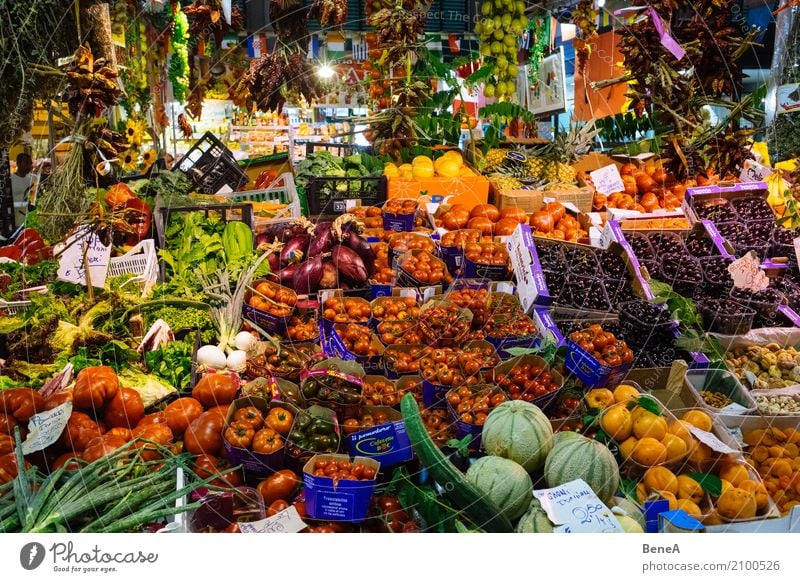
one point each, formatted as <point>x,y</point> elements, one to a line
<point>148,157</point>
<point>134,131</point>
<point>130,160</point>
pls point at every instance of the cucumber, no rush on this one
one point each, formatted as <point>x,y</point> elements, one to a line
<point>475,505</point>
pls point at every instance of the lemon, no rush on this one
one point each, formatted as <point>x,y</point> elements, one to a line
<point>497,47</point>
<point>391,170</point>
<point>506,19</point>
<point>486,50</point>
<point>486,8</point>
<point>422,161</point>
<point>502,62</point>
<point>512,71</point>
<point>449,168</point>
<point>454,155</point>
<point>487,25</point>
<point>510,40</point>
<point>498,34</point>
<point>423,171</point>
<point>520,6</point>
<point>406,171</point>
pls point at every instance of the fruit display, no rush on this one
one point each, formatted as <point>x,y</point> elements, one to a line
<point>346,310</point>
<point>313,434</point>
<point>423,268</point>
<point>358,339</point>
<point>343,470</point>
<point>449,165</point>
<point>646,190</point>
<point>525,379</point>
<point>443,322</point>
<point>603,346</point>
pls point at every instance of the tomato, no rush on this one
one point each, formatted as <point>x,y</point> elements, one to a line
<point>70,462</point>
<point>207,466</point>
<point>102,446</point>
<point>122,432</point>
<point>6,443</point>
<point>267,441</point>
<point>250,416</point>
<point>215,390</point>
<point>7,424</point>
<point>514,212</point>
<point>156,433</point>
<point>79,431</point>
<point>125,409</point>
<point>280,420</point>
<point>8,468</point>
<point>280,485</point>
<point>57,399</point>
<point>204,434</point>
<point>180,413</point>
<point>239,434</point>
<point>95,387</point>
<point>276,507</point>
<point>21,403</point>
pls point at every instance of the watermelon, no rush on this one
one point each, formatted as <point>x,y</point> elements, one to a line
<point>518,431</point>
<point>504,482</point>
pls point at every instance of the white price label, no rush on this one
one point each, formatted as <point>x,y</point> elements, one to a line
<point>286,521</point>
<point>607,180</point>
<point>747,274</point>
<point>754,172</point>
<point>576,508</point>
<point>711,441</point>
<point>46,427</point>
<point>71,263</point>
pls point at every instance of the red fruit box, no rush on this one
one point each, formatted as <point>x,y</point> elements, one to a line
<point>338,500</point>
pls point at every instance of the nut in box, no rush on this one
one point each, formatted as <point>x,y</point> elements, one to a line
<point>378,432</point>
<point>269,305</point>
<point>469,406</point>
<point>339,492</point>
<point>254,433</point>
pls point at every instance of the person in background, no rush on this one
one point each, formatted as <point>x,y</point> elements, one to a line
<point>21,182</point>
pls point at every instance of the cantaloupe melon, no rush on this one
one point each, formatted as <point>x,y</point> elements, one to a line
<point>503,481</point>
<point>519,431</point>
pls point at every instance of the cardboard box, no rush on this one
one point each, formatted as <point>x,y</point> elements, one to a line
<point>726,383</point>
<point>371,364</point>
<point>531,285</point>
<point>387,442</point>
<point>695,196</point>
<point>469,191</point>
<point>252,462</point>
<point>342,501</point>
<point>594,161</point>
<point>532,200</point>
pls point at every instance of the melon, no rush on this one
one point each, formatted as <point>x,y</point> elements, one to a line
<point>535,520</point>
<point>576,457</point>
<point>629,524</point>
<point>518,431</point>
<point>629,508</point>
<point>504,482</point>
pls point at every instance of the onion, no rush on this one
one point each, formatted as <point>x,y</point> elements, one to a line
<point>237,360</point>
<point>211,357</point>
<point>244,341</point>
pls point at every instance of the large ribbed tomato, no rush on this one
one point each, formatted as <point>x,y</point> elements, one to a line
<point>95,386</point>
<point>204,434</point>
<point>125,409</point>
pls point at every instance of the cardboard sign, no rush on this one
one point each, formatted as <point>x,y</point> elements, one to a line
<point>711,441</point>
<point>754,172</point>
<point>796,243</point>
<point>286,521</point>
<point>46,427</point>
<point>607,180</point>
<point>747,274</point>
<point>71,264</point>
<point>576,509</point>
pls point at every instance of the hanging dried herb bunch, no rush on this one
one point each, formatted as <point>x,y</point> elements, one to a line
<point>92,85</point>
<point>280,75</point>
<point>289,20</point>
<point>207,20</point>
<point>329,12</point>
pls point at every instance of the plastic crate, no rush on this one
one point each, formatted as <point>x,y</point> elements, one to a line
<point>286,193</point>
<point>210,165</point>
<point>334,196</point>
<point>141,261</point>
<point>235,211</point>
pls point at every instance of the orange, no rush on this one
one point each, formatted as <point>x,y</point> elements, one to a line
<point>689,507</point>
<point>737,503</point>
<point>699,419</point>
<point>735,473</point>
<point>700,454</point>
<point>676,447</point>
<point>599,398</point>
<point>626,447</point>
<point>647,424</point>
<point>661,479</point>
<point>625,392</point>
<point>758,491</point>
<point>648,451</point>
<point>641,493</point>
<point>673,501</point>
<point>712,518</point>
<point>725,485</point>
<point>688,488</point>
<point>616,422</point>
<point>680,428</point>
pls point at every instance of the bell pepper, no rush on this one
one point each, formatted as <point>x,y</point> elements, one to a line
<point>139,217</point>
<point>267,441</point>
<point>118,195</point>
<point>237,239</point>
<point>239,434</point>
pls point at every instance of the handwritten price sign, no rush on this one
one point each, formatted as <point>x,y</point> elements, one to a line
<point>71,263</point>
<point>286,521</point>
<point>747,274</point>
<point>607,180</point>
<point>574,508</point>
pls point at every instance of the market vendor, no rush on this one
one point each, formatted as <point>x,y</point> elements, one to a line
<point>21,182</point>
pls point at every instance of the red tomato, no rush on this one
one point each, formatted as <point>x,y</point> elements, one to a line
<point>125,409</point>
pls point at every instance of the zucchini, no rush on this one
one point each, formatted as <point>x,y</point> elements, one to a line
<point>474,504</point>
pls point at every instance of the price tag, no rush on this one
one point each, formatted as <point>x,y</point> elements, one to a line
<point>45,428</point>
<point>71,265</point>
<point>796,243</point>
<point>747,274</point>
<point>286,521</point>
<point>576,508</point>
<point>754,172</point>
<point>734,408</point>
<point>711,440</point>
<point>607,180</point>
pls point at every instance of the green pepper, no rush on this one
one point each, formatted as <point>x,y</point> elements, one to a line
<point>311,388</point>
<point>321,426</point>
<point>317,443</point>
<point>303,421</point>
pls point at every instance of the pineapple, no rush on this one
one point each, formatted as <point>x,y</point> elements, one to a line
<point>509,176</point>
<point>565,150</point>
<point>493,159</point>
